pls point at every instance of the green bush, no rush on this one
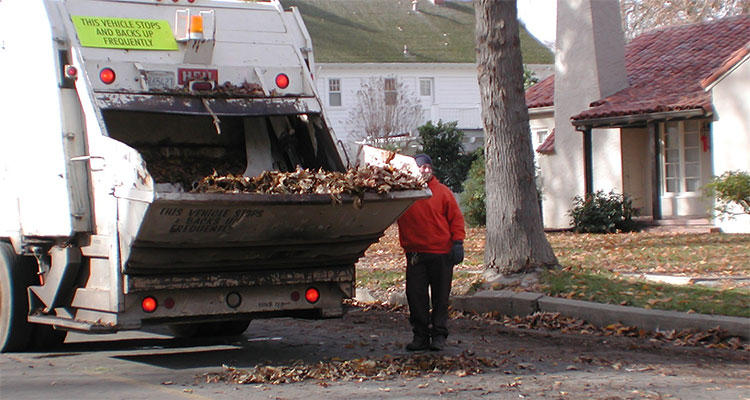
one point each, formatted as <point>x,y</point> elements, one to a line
<point>731,187</point>
<point>473,197</point>
<point>603,213</point>
<point>450,163</point>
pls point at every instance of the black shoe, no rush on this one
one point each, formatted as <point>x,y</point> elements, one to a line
<point>419,343</point>
<point>438,343</point>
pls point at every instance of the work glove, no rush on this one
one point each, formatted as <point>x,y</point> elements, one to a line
<point>457,252</point>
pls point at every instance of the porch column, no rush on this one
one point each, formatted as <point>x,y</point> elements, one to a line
<point>654,156</point>
<point>588,160</point>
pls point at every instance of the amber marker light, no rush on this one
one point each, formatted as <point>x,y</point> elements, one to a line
<point>196,27</point>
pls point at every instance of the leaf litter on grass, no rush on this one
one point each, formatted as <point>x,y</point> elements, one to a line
<point>714,338</point>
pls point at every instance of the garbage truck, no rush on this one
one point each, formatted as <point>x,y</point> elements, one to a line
<point>110,110</point>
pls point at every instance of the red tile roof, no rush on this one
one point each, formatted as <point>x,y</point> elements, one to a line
<point>666,69</point>
<point>542,94</point>
<point>735,58</point>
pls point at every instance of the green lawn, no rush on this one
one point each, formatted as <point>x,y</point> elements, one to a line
<point>603,268</point>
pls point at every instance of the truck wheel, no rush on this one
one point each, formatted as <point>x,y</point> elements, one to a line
<point>15,330</point>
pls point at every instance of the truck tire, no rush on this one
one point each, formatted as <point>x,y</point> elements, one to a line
<point>210,329</point>
<point>15,330</point>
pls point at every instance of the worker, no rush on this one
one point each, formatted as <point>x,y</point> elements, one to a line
<point>431,232</point>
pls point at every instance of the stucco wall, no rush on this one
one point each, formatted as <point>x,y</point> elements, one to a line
<point>731,132</point>
<point>544,120</point>
<point>607,160</point>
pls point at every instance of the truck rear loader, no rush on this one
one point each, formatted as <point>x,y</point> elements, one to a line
<point>110,111</point>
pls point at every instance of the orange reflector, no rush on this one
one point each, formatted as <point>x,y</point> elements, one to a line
<point>148,304</point>
<point>196,24</point>
<point>282,81</point>
<point>312,295</point>
<point>107,75</point>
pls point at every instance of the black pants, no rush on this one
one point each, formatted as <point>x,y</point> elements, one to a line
<point>435,271</point>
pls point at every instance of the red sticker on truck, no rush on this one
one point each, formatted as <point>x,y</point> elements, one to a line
<point>187,75</point>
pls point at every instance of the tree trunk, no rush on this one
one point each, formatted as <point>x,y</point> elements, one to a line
<point>515,235</point>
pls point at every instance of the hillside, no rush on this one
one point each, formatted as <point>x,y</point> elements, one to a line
<point>376,31</point>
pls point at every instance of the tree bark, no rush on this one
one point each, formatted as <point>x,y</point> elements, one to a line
<point>515,236</point>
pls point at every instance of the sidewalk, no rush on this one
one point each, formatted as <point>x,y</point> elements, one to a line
<point>524,303</point>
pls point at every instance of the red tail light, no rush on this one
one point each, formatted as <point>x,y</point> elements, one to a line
<point>282,81</point>
<point>107,75</point>
<point>312,295</point>
<point>149,304</point>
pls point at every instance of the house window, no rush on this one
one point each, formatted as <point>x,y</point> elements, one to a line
<point>682,157</point>
<point>390,91</point>
<point>334,92</point>
<point>540,135</point>
<point>425,87</point>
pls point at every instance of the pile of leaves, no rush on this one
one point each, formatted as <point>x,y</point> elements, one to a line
<point>186,169</point>
<point>713,338</point>
<point>305,181</point>
<point>383,368</point>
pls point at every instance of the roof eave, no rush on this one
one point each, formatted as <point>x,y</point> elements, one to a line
<point>541,110</point>
<point>633,119</point>
<point>709,83</point>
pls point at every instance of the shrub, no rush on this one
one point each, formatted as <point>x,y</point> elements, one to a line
<point>603,213</point>
<point>473,197</point>
<point>731,187</point>
<point>442,142</point>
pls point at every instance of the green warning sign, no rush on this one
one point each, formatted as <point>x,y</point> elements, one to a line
<point>124,33</point>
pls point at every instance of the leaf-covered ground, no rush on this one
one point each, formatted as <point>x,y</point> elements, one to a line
<point>602,268</point>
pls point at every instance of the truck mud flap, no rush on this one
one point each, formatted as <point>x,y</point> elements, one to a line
<point>198,233</point>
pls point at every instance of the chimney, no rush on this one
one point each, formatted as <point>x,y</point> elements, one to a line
<point>589,65</point>
<point>590,51</point>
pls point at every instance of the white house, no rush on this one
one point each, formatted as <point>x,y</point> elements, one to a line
<point>655,119</point>
<point>447,92</point>
<point>427,45</point>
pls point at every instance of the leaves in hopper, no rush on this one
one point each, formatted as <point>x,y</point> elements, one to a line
<point>355,181</point>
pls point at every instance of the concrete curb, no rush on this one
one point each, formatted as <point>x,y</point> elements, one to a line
<point>524,303</point>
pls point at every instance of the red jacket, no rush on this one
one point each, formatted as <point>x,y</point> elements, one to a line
<point>432,225</point>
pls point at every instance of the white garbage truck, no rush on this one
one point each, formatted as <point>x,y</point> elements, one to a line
<point>110,110</point>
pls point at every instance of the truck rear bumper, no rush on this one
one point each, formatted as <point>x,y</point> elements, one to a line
<point>209,304</point>
<point>343,274</point>
<point>230,303</point>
